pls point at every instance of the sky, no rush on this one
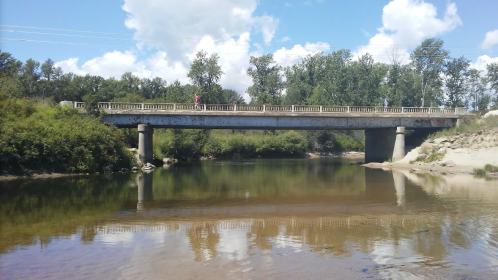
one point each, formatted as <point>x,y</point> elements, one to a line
<point>159,38</point>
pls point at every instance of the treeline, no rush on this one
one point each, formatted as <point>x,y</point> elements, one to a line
<point>432,78</point>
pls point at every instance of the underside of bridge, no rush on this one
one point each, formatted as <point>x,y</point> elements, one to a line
<point>384,134</point>
<point>381,144</point>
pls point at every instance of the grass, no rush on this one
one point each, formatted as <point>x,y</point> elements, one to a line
<point>491,168</point>
<point>479,172</point>
<point>469,126</point>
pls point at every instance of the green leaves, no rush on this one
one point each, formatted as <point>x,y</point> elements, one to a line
<point>267,80</point>
<point>54,138</point>
<point>205,73</point>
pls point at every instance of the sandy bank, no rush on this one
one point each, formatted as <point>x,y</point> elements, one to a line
<point>458,154</point>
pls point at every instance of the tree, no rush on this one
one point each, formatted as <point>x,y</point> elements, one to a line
<point>47,69</point>
<point>492,78</point>
<point>477,97</point>
<point>456,72</point>
<point>394,97</point>
<point>232,97</point>
<point>267,80</point>
<point>30,74</point>
<point>205,73</point>
<point>366,82</point>
<point>427,60</point>
<point>9,72</point>
<point>493,75</point>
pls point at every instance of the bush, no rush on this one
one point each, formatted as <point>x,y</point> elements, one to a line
<point>491,168</point>
<point>55,138</point>
<point>479,172</point>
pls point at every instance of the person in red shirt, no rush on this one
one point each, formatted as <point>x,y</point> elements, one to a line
<point>196,101</point>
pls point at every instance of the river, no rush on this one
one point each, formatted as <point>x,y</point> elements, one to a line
<point>322,218</point>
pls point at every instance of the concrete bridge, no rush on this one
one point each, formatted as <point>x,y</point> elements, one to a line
<point>384,126</point>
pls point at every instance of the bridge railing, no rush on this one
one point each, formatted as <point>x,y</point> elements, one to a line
<point>274,108</point>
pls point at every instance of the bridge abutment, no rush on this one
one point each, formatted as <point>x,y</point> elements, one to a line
<point>145,136</point>
<point>382,144</point>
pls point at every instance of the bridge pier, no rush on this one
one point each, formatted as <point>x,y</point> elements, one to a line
<point>382,144</point>
<point>145,136</point>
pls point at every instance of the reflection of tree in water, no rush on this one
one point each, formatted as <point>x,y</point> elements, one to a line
<point>262,178</point>
<point>203,241</point>
<point>44,209</point>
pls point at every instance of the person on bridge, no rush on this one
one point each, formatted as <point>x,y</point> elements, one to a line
<point>196,101</point>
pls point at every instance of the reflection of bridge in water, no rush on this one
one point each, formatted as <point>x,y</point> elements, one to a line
<point>383,204</point>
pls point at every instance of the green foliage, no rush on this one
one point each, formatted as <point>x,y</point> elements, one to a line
<point>479,172</point>
<point>491,168</point>
<point>469,126</point>
<point>267,81</point>
<point>434,156</point>
<point>205,73</point>
<point>179,143</point>
<point>428,60</point>
<point>55,138</point>
<point>289,143</point>
<point>456,76</point>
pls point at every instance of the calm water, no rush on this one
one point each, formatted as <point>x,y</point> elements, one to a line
<point>254,219</point>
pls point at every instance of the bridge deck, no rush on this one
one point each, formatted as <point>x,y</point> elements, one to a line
<point>276,116</point>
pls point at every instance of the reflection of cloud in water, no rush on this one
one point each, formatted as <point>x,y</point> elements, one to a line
<point>390,257</point>
<point>119,238</point>
<point>233,244</point>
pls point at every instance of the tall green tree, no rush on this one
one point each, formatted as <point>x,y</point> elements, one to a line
<point>205,73</point>
<point>456,73</point>
<point>428,60</point>
<point>492,78</point>
<point>9,74</point>
<point>267,80</point>
<point>337,77</point>
<point>30,75</point>
<point>476,96</point>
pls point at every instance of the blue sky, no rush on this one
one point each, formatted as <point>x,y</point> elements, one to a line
<point>160,38</point>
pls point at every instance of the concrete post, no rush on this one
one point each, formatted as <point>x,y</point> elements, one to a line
<point>459,122</point>
<point>145,133</point>
<point>399,145</point>
<point>142,136</point>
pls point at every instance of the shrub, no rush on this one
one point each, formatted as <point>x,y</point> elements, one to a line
<point>491,168</point>
<point>479,172</point>
<point>55,138</point>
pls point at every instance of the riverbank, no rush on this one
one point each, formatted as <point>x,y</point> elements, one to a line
<point>451,153</point>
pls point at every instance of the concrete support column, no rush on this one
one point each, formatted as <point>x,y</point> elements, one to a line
<point>399,145</point>
<point>145,133</point>
<point>384,143</point>
<point>459,122</point>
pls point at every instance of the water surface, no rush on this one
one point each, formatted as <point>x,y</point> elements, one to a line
<point>251,219</point>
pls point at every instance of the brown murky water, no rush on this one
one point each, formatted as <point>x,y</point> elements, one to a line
<point>254,219</point>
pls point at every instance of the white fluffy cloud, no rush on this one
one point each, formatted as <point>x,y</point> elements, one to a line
<point>482,61</point>
<point>111,64</point>
<point>287,57</point>
<point>177,25</point>
<point>177,30</point>
<point>405,23</point>
<point>490,40</point>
